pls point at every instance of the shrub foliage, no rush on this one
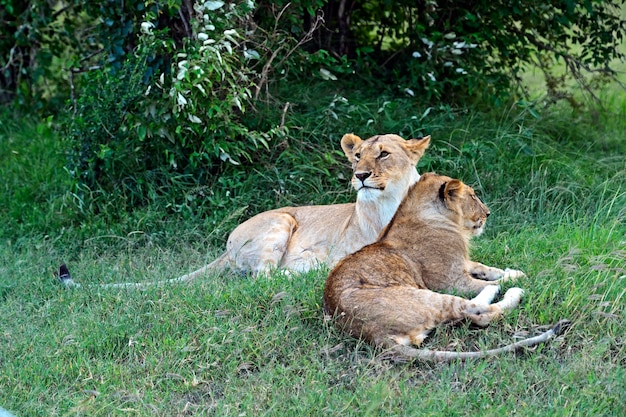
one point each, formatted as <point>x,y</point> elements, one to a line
<point>159,91</point>
<point>171,111</point>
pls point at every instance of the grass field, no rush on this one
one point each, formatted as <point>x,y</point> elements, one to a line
<point>228,345</point>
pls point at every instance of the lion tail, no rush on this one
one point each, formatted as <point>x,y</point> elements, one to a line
<point>219,263</point>
<point>407,352</point>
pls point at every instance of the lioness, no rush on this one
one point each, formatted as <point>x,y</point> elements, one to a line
<point>301,238</point>
<point>384,293</point>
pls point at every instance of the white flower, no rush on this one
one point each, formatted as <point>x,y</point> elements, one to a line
<point>202,36</point>
<point>431,76</point>
<point>146,27</point>
<point>428,42</point>
<point>251,54</point>
<point>450,35</point>
<point>213,5</point>
<point>448,64</point>
<point>461,71</point>
<point>194,119</point>
<point>327,75</point>
<point>237,103</point>
<point>228,46</point>
<point>181,100</point>
<point>231,34</point>
<point>409,92</point>
<point>417,55</point>
<point>225,156</point>
<point>199,87</point>
<point>182,70</point>
<point>456,51</point>
<point>458,45</point>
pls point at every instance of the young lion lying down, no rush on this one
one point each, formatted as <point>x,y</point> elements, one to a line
<point>384,293</point>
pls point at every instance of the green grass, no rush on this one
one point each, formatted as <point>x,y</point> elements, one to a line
<point>232,345</point>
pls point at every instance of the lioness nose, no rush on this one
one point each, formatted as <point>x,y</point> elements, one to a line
<point>362,175</point>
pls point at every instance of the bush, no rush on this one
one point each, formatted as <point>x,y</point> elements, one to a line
<point>138,129</point>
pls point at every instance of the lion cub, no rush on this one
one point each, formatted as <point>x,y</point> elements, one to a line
<point>384,293</point>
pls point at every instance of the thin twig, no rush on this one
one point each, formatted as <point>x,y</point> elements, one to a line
<point>86,69</point>
<point>266,68</point>
<point>188,30</point>
<point>91,55</point>
<point>73,71</point>
<point>10,61</point>
<point>282,117</point>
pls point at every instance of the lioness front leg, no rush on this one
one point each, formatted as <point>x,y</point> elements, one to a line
<point>490,273</point>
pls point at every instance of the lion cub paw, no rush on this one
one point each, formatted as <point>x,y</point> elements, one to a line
<point>511,298</point>
<point>486,295</point>
<point>511,274</point>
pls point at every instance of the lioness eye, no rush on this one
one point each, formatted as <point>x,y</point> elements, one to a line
<point>357,155</point>
<point>383,154</point>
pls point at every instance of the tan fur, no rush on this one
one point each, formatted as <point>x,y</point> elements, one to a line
<point>384,293</point>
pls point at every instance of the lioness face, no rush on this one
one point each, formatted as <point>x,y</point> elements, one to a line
<point>383,164</point>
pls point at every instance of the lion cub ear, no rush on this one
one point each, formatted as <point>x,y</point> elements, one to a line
<point>416,147</point>
<point>451,191</point>
<point>349,141</point>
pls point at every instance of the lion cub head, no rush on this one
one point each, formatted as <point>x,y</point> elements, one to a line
<point>383,165</point>
<point>462,206</point>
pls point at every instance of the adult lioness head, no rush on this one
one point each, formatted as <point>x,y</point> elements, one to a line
<point>380,164</point>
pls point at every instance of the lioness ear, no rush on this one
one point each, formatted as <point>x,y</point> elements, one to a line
<point>451,191</point>
<point>417,147</point>
<point>348,142</point>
